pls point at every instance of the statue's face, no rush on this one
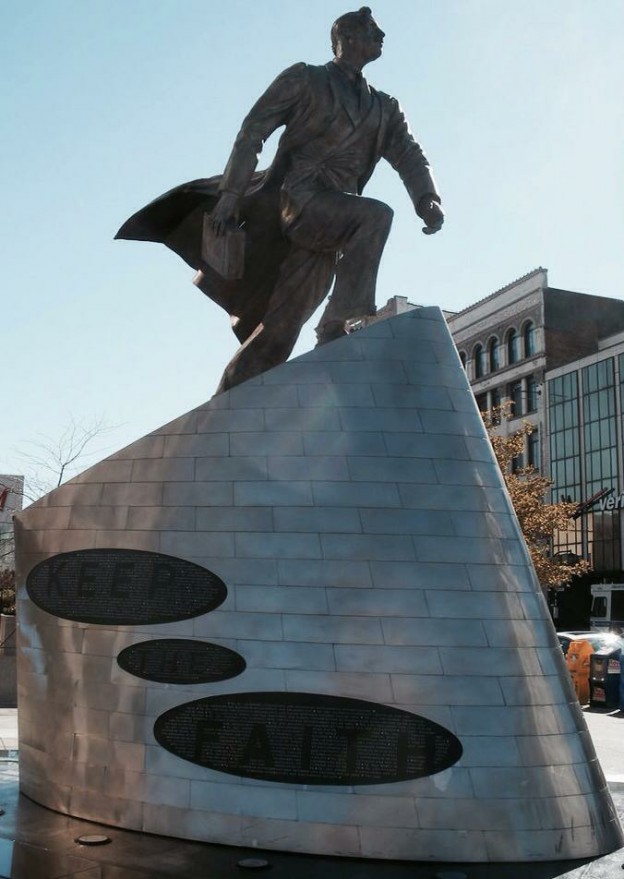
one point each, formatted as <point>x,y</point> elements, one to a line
<point>367,39</point>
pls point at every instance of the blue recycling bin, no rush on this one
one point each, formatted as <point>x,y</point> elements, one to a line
<point>605,675</point>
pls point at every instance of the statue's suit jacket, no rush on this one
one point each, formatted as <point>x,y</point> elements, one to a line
<point>306,100</point>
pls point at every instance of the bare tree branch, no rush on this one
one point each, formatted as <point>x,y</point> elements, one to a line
<point>51,461</point>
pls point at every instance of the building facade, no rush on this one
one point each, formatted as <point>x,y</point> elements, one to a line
<point>586,436</point>
<point>11,501</point>
<point>502,342</point>
<point>556,358</point>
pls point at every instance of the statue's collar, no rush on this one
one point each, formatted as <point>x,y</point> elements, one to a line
<point>352,73</point>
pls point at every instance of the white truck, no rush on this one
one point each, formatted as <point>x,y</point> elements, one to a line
<point>607,607</point>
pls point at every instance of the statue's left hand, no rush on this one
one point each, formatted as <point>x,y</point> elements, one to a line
<point>433,215</point>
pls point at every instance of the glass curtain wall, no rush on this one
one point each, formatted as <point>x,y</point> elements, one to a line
<point>565,455</point>
<point>600,435</point>
<point>584,459</point>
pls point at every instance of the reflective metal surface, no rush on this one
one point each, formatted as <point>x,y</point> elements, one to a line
<point>350,503</point>
<point>36,843</point>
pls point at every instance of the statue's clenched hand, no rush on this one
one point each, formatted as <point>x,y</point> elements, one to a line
<point>225,213</point>
<point>433,215</point>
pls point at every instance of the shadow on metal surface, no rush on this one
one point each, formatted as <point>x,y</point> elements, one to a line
<point>36,843</point>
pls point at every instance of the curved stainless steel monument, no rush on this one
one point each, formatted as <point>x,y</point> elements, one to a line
<point>302,617</point>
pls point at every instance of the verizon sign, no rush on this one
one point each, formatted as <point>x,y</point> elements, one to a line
<point>612,502</point>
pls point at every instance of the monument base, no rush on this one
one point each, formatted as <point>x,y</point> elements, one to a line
<point>303,617</point>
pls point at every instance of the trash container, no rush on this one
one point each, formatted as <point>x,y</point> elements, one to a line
<point>578,661</point>
<point>604,679</point>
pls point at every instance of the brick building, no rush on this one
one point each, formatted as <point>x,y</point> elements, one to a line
<point>512,340</point>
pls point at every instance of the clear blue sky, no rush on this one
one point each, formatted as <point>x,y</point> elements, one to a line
<point>108,103</point>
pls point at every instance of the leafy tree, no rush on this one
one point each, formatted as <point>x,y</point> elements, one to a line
<point>528,489</point>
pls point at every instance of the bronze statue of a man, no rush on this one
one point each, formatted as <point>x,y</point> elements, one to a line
<point>307,224</point>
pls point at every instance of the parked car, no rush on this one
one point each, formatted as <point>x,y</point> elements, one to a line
<point>599,640</point>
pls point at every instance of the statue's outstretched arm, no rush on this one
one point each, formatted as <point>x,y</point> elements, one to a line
<point>407,158</point>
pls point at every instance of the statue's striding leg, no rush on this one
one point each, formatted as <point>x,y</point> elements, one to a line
<point>304,281</point>
<point>357,228</point>
<point>330,223</point>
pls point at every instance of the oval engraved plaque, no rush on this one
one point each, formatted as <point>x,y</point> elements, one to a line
<point>123,587</point>
<point>181,661</point>
<point>306,738</point>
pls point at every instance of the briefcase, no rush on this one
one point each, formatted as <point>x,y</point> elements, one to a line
<point>224,253</point>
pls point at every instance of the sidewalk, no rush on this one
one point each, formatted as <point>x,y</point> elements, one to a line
<point>607,731</point>
<point>8,730</point>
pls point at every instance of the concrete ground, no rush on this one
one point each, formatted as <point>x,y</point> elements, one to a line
<point>36,843</point>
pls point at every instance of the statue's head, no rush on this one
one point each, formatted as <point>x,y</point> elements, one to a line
<point>357,37</point>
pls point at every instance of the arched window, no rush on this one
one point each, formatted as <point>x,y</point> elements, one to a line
<point>513,347</point>
<point>529,339</point>
<point>462,357</point>
<point>493,354</point>
<point>479,361</point>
